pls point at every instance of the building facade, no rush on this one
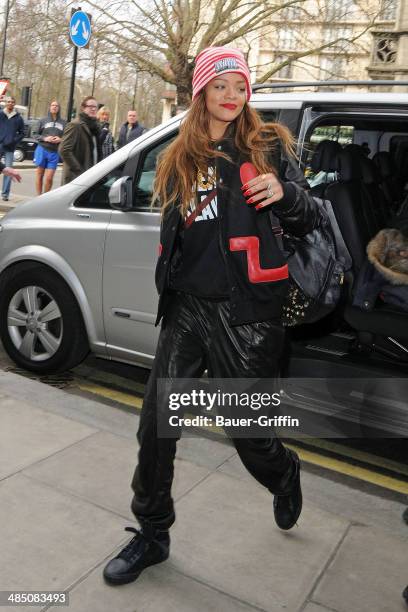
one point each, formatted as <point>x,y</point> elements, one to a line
<point>335,39</point>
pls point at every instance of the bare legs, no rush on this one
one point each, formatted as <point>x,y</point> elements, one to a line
<point>46,176</point>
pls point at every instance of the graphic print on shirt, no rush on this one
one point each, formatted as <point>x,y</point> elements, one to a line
<point>55,124</point>
<point>205,184</point>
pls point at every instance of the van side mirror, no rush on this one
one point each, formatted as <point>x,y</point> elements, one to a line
<point>121,194</point>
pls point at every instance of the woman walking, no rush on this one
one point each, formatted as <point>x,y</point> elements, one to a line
<point>221,279</point>
<point>105,135</point>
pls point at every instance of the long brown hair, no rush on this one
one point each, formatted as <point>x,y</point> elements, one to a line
<point>189,153</point>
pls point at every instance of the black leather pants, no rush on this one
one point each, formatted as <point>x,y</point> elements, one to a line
<point>196,336</point>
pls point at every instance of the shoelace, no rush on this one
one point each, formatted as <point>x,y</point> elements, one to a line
<point>130,549</point>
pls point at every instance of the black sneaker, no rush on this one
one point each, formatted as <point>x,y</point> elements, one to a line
<point>287,508</point>
<point>5,198</point>
<point>141,552</point>
<point>405,594</point>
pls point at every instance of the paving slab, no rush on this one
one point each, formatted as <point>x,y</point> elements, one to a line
<point>225,535</point>
<point>49,539</point>
<point>100,470</point>
<point>312,607</point>
<point>341,499</point>
<point>199,450</point>
<point>367,574</point>
<point>28,434</point>
<point>158,588</point>
<point>205,452</point>
<point>86,411</point>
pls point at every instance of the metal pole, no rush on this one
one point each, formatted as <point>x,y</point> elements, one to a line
<point>3,49</point>
<point>30,95</point>
<point>72,85</point>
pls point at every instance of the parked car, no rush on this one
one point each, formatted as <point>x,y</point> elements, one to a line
<point>77,263</point>
<point>25,150</point>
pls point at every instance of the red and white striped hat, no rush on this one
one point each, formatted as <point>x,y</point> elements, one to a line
<point>213,61</point>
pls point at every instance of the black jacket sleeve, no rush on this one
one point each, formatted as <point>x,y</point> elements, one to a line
<point>19,135</point>
<point>2,166</point>
<point>40,129</point>
<point>298,212</point>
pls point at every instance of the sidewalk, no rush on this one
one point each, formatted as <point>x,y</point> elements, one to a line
<point>65,469</point>
<point>12,203</point>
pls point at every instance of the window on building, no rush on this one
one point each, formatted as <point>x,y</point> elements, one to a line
<point>332,67</point>
<point>340,9</point>
<point>286,39</point>
<point>331,33</point>
<point>388,10</point>
<point>291,12</point>
<point>286,72</point>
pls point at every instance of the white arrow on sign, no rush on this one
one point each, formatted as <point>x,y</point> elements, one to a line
<point>85,32</point>
<point>74,29</point>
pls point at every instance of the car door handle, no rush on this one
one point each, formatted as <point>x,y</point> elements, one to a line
<point>84,215</point>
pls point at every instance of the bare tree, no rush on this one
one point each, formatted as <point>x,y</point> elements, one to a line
<point>163,37</point>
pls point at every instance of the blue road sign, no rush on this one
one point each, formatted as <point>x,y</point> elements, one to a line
<point>80,29</point>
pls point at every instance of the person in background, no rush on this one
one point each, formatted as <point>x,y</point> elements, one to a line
<point>80,148</point>
<point>130,130</point>
<point>46,156</point>
<point>11,134</point>
<point>105,135</point>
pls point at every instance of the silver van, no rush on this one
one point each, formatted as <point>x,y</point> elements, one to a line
<point>77,263</point>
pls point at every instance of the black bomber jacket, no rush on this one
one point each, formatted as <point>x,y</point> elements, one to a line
<point>256,268</point>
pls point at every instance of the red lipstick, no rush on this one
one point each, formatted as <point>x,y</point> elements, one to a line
<point>230,106</point>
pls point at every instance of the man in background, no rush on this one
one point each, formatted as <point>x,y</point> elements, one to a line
<point>46,156</point>
<point>130,130</point>
<point>11,134</point>
<point>80,147</point>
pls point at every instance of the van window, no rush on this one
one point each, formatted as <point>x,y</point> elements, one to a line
<point>269,116</point>
<point>97,195</point>
<point>146,174</point>
<point>343,134</point>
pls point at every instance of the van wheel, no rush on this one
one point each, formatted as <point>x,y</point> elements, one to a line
<point>41,325</point>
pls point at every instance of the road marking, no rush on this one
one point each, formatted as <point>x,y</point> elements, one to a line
<point>329,463</point>
<point>358,455</point>
<point>112,394</point>
<point>386,482</point>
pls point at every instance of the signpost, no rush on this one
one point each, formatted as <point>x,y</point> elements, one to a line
<point>80,28</point>
<point>80,35</point>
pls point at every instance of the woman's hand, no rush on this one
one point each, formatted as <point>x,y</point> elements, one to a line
<point>263,190</point>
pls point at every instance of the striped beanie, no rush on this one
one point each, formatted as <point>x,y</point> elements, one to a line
<point>213,61</point>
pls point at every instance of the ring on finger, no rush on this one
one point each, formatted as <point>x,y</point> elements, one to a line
<point>269,190</point>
